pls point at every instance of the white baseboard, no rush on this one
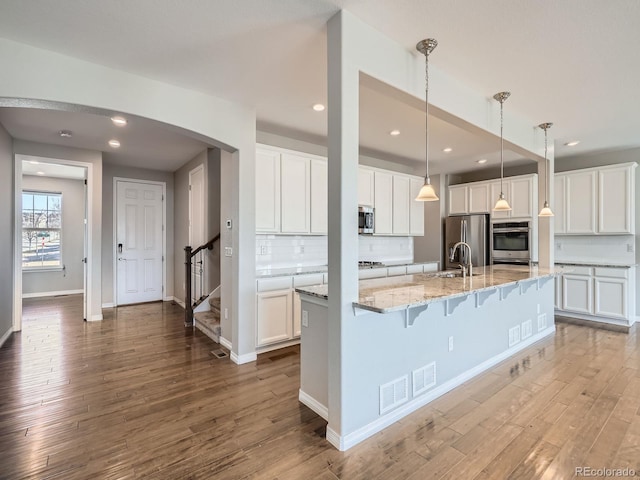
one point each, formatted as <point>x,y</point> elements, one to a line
<point>51,294</point>
<point>278,346</point>
<point>345,442</point>
<point>226,343</point>
<point>179,302</point>
<point>168,299</point>
<point>6,336</point>
<point>95,318</point>
<point>314,405</point>
<point>246,358</point>
<point>108,305</point>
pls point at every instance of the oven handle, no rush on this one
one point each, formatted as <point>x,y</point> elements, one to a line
<point>510,230</point>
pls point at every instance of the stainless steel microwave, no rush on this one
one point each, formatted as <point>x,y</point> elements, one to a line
<point>365,219</point>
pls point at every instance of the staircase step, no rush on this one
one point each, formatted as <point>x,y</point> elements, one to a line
<point>214,303</point>
<point>209,324</point>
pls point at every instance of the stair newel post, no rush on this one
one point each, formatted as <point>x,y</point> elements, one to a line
<point>188,308</point>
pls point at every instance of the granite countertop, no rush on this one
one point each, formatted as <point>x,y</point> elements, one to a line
<point>389,294</point>
<point>286,271</point>
<point>578,263</point>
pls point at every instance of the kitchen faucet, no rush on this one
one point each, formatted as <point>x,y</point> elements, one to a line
<point>452,255</point>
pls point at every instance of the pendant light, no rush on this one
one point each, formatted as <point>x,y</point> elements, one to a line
<point>427,193</point>
<point>546,210</point>
<point>502,205</point>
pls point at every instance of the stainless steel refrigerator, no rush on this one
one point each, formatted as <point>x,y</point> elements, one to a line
<point>472,229</point>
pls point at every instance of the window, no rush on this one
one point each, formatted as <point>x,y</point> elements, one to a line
<point>41,230</point>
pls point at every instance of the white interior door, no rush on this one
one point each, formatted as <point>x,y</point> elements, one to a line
<point>197,230</point>
<point>139,246</point>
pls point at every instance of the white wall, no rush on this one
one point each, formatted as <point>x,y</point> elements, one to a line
<point>109,171</point>
<point>71,278</point>
<point>94,295</point>
<point>6,234</point>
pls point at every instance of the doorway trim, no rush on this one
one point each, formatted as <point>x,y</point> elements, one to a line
<point>17,262</point>
<point>165,298</point>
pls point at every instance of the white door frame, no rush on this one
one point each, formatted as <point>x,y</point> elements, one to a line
<point>17,247</point>
<point>115,232</point>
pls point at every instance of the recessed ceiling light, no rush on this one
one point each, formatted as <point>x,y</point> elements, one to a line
<point>394,133</point>
<point>573,143</point>
<point>114,143</point>
<point>65,133</point>
<point>40,173</point>
<point>447,150</point>
<point>482,160</point>
<point>119,121</point>
<point>318,107</point>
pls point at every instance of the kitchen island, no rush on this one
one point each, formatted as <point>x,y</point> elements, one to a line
<point>415,337</point>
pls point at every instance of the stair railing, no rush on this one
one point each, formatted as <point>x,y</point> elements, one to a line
<point>189,261</point>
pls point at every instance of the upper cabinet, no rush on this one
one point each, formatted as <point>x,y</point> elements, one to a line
<point>479,197</point>
<point>596,201</point>
<point>292,195</point>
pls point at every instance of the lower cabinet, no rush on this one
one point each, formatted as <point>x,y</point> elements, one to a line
<point>597,292</point>
<point>274,316</point>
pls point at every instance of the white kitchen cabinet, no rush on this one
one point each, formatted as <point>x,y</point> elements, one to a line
<point>560,203</point>
<point>522,197</point>
<point>319,197</point>
<point>267,191</point>
<point>274,320</point>
<point>616,200</point>
<point>365,186</point>
<point>581,202</point>
<point>558,296</point>
<point>479,194</point>
<point>383,203</point>
<point>297,314</point>
<point>295,194</point>
<point>416,209</point>
<point>458,199</point>
<point>401,207</point>
<point>611,293</point>
<point>577,293</point>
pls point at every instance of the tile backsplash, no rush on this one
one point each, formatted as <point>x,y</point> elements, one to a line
<point>281,251</point>
<point>595,248</point>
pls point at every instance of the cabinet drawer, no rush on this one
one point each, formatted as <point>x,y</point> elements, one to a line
<point>307,280</point>
<point>411,269</point>
<point>396,271</point>
<point>577,270</point>
<point>372,273</point>
<point>611,272</point>
<point>275,283</point>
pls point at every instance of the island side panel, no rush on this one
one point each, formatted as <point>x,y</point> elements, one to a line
<point>381,349</point>
<point>314,361</point>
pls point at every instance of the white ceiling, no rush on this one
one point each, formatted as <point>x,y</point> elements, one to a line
<point>571,62</point>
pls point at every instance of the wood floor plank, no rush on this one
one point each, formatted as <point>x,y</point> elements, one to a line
<point>137,395</point>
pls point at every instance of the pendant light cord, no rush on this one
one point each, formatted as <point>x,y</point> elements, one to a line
<point>501,147</point>
<point>426,99</point>
<point>546,166</point>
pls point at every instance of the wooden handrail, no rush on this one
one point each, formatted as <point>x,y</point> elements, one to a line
<point>188,255</point>
<point>208,245</point>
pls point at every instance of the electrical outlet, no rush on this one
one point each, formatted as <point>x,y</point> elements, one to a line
<point>226,313</point>
<point>630,247</point>
<point>305,318</point>
<point>263,249</point>
<point>228,251</point>
<point>451,344</point>
<point>301,248</point>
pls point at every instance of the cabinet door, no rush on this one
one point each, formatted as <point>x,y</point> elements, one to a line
<point>479,198</point>
<point>295,194</point>
<point>522,197</point>
<point>400,211</point>
<point>458,200</point>
<point>577,293</point>
<point>581,202</point>
<point>416,222</point>
<point>319,188</point>
<point>611,297</point>
<point>267,191</point>
<point>615,200</point>
<point>560,203</point>
<point>274,317</point>
<point>383,203</point>
<point>495,193</point>
<point>365,186</point>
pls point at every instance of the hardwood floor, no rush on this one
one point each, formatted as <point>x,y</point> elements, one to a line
<point>138,396</point>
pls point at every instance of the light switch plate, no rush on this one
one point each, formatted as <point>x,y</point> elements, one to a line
<point>228,251</point>
<point>305,318</point>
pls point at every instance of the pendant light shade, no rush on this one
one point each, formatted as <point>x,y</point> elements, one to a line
<point>427,193</point>
<point>502,205</point>
<point>546,210</point>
